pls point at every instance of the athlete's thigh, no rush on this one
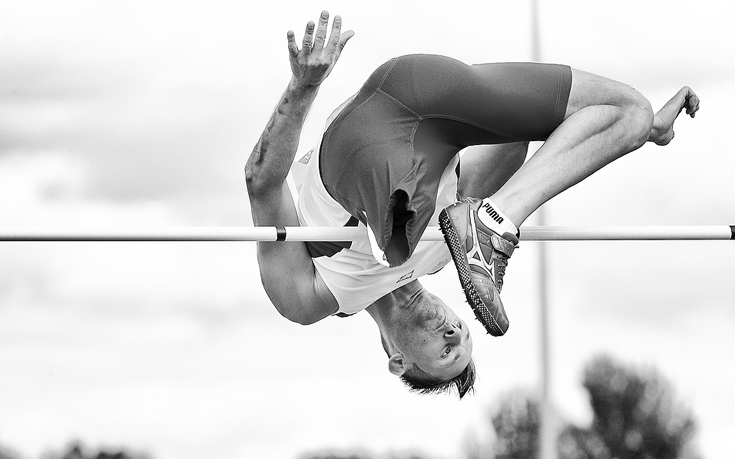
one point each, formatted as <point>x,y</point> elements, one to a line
<point>485,168</point>
<point>589,89</point>
<point>496,102</point>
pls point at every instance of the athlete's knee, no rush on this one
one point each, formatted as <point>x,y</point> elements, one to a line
<point>592,90</point>
<point>638,115</point>
<point>635,112</point>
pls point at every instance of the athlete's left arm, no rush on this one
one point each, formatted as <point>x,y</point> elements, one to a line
<point>286,269</point>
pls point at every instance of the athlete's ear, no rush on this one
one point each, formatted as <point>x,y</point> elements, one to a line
<point>397,365</point>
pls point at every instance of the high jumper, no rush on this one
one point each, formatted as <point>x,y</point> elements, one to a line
<point>388,163</point>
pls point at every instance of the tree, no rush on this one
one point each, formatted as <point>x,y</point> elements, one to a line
<point>359,455</point>
<point>337,456</point>
<point>516,427</point>
<point>77,451</point>
<point>634,417</point>
<point>635,414</point>
<point>515,424</point>
<point>6,453</point>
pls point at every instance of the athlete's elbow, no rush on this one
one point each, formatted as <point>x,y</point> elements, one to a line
<point>298,316</point>
<point>296,312</point>
<point>305,320</point>
<point>295,302</point>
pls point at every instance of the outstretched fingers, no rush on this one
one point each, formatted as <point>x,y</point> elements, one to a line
<point>315,38</point>
<point>321,31</point>
<point>311,64</point>
<point>293,50</point>
<point>308,43</point>
<point>337,40</point>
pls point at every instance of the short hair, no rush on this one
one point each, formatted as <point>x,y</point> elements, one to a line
<point>420,382</point>
<point>417,380</point>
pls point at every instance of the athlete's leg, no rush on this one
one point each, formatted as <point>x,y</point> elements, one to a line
<point>486,168</point>
<point>604,121</point>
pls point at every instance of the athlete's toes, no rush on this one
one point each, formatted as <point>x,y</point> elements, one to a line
<point>691,102</point>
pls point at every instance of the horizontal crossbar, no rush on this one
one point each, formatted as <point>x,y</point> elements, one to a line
<point>272,233</point>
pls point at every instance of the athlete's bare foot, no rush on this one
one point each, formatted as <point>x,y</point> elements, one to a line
<point>663,123</point>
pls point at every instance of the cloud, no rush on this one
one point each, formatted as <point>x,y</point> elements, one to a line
<point>154,114</point>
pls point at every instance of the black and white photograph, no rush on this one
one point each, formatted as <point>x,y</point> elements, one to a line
<point>367,230</point>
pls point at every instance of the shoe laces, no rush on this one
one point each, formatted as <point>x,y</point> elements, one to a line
<point>502,262</point>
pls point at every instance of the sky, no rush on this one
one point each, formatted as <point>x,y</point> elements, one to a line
<point>118,114</point>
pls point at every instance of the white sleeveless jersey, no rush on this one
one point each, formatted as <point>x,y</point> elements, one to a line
<point>358,276</point>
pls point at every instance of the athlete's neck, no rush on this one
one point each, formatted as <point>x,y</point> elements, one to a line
<point>385,308</point>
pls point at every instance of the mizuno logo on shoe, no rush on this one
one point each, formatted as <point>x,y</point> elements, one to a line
<point>492,212</point>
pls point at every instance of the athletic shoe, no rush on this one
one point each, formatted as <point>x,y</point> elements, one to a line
<point>480,256</point>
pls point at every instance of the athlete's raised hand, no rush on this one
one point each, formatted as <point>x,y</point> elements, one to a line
<point>315,60</point>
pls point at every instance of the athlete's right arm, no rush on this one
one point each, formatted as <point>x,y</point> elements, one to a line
<point>287,271</point>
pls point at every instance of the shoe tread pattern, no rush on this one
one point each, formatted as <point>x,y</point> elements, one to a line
<point>465,277</point>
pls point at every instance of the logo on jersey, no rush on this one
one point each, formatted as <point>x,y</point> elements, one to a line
<point>405,277</point>
<point>307,157</point>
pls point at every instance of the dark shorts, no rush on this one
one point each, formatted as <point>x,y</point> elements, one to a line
<point>384,154</point>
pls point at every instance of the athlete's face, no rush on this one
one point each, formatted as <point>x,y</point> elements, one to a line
<point>433,338</point>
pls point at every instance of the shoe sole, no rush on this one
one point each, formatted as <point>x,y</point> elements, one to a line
<point>463,270</point>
